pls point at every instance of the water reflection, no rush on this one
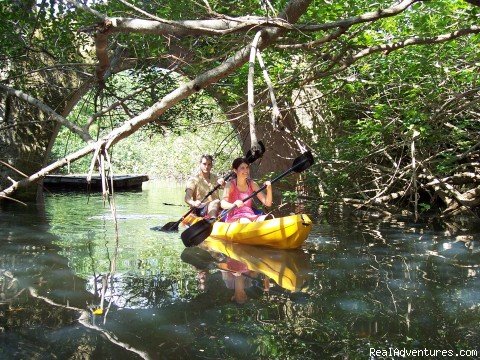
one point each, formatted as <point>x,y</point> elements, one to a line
<point>289,269</point>
<point>354,285</point>
<point>38,292</point>
<point>244,266</point>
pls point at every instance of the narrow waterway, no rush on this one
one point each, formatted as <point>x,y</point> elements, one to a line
<point>357,289</point>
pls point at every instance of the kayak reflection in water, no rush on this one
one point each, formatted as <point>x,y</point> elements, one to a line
<point>240,188</point>
<point>235,275</point>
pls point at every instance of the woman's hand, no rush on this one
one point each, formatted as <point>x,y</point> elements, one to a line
<point>238,203</point>
<point>267,200</point>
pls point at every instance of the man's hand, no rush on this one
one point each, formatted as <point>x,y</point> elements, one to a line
<point>197,204</point>
<point>221,182</point>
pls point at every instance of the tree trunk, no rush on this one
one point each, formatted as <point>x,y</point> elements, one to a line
<point>280,147</point>
<point>27,134</point>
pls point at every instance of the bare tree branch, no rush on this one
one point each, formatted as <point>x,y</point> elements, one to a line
<point>250,92</point>
<point>367,17</point>
<point>85,8</point>
<point>47,109</point>
<point>387,48</point>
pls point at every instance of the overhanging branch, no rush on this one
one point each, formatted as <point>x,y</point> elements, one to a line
<point>347,61</point>
<point>47,109</point>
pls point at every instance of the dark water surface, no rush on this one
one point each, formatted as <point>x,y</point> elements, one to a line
<point>69,289</point>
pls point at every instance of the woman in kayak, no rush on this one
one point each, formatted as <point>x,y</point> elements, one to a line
<point>240,188</point>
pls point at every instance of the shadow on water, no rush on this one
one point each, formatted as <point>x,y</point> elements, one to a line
<point>69,289</point>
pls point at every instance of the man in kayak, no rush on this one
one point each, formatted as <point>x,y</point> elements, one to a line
<point>200,185</point>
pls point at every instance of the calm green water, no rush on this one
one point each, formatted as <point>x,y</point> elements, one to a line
<point>353,287</point>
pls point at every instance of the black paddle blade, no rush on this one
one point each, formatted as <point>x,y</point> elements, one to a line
<point>198,232</point>
<point>198,257</point>
<point>303,162</point>
<point>253,156</point>
<point>168,227</point>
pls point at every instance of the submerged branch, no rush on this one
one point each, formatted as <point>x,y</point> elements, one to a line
<point>84,319</point>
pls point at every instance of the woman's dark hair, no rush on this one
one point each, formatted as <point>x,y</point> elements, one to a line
<point>239,161</point>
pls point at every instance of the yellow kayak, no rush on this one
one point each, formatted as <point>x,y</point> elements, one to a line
<point>290,269</point>
<point>288,232</point>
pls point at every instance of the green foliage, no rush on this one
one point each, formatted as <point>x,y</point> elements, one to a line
<point>365,116</point>
<point>374,106</point>
<point>34,35</point>
<point>174,155</point>
<point>289,196</point>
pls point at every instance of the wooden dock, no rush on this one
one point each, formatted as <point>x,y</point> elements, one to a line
<point>78,182</point>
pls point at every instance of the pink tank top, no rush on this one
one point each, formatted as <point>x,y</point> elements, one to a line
<point>244,211</point>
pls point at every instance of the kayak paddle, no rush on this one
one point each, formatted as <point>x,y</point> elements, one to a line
<point>202,229</point>
<point>173,225</point>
